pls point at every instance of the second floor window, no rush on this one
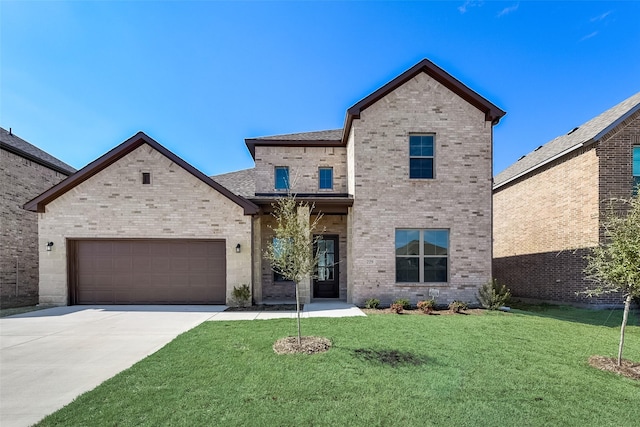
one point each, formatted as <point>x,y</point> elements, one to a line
<point>421,156</point>
<point>325,178</point>
<point>282,178</point>
<point>636,169</point>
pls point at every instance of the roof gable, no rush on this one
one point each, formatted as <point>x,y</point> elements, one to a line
<point>588,133</point>
<point>38,204</point>
<point>339,137</point>
<point>19,146</point>
<point>492,112</point>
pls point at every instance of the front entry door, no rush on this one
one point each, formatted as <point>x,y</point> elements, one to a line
<point>326,284</point>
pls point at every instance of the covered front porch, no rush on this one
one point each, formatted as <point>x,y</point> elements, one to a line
<point>330,282</point>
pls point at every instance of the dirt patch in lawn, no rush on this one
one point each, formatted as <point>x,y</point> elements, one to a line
<point>267,307</point>
<point>308,345</point>
<point>628,368</point>
<point>472,311</point>
<point>389,357</point>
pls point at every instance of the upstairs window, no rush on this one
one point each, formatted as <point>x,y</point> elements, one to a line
<point>325,178</point>
<point>422,256</point>
<point>282,178</point>
<point>636,169</point>
<point>421,156</point>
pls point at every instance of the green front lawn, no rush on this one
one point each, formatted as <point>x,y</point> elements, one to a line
<point>494,369</point>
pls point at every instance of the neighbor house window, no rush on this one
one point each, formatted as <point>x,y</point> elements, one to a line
<point>325,177</point>
<point>636,169</point>
<point>421,156</point>
<point>282,178</point>
<point>422,255</point>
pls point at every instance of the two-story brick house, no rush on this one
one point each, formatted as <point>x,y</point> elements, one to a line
<point>404,187</point>
<point>26,171</point>
<point>549,205</point>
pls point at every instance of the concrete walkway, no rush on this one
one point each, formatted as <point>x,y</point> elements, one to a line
<point>49,357</point>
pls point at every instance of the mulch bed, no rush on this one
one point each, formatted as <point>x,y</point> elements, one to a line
<point>628,369</point>
<point>309,345</point>
<point>267,307</point>
<point>473,311</point>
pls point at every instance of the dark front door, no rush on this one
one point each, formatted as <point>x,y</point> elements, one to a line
<point>326,284</point>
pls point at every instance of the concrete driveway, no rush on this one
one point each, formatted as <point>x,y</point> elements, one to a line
<point>49,357</point>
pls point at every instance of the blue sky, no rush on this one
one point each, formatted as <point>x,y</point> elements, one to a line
<point>79,77</point>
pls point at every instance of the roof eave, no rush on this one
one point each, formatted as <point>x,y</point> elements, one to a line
<point>38,204</point>
<point>492,113</point>
<point>36,159</point>
<point>251,143</point>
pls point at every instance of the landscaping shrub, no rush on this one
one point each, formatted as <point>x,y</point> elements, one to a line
<point>372,303</point>
<point>397,308</point>
<point>242,295</point>
<point>492,296</point>
<point>406,305</point>
<point>427,306</point>
<point>457,306</point>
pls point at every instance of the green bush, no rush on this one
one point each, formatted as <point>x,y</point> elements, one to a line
<point>242,295</point>
<point>492,296</point>
<point>426,306</point>
<point>457,306</point>
<point>406,305</point>
<point>372,303</point>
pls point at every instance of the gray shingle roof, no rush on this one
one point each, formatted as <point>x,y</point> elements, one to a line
<point>589,132</point>
<point>21,147</point>
<point>241,183</point>
<point>322,135</point>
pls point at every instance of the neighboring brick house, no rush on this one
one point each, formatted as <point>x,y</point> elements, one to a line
<point>404,186</point>
<point>26,172</point>
<point>548,206</point>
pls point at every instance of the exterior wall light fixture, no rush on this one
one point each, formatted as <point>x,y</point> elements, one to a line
<point>237,248</point>
<point>49,245</point>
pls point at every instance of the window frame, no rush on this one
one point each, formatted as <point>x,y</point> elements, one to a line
<point>421,256</point>
<point>432,157</point>
<point>635,173</point>
<point>325,168</point>
<point>277,277</point>
<point>287,186</point>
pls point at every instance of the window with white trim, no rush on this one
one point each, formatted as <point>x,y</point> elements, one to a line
<point>422,256</point>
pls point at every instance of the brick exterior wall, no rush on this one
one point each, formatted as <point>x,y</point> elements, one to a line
<point>115,204</point>
<point>21,181</point>
<point>303,163</point>
<point>458,199</point>
<point>545,222</point>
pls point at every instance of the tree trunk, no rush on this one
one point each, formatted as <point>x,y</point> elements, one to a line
<point>298,312</point>
<point>625,316</point>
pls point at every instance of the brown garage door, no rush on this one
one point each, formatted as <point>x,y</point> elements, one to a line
<point>147,272</point>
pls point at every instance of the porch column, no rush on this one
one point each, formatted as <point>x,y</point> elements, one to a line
<point>256,261</point>
<point>305,284</point>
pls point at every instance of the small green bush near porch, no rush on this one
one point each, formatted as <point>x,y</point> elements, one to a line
<point>495,369</point>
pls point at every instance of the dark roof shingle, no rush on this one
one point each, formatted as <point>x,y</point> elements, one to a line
<point>589,132</point>
<point>241,183</point>
<point>19,146</point>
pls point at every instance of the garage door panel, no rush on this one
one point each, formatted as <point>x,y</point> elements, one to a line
<point>150,271</point>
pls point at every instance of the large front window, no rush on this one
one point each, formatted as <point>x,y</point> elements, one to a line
<point>421,156</point>
<point>636,169</point>
<point>422,255</point>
